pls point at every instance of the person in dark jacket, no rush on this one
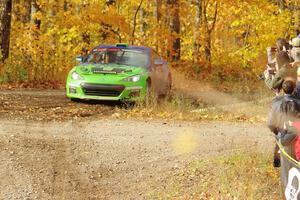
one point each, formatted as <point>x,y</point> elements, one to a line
<point>279,113</point>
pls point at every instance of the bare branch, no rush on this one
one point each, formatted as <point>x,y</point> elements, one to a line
<point>134,21</point>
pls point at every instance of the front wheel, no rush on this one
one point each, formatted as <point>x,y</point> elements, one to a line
<point>75,100</point>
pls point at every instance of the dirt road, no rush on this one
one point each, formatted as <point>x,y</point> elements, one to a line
<point>49,105</point>
<point>98,157</point>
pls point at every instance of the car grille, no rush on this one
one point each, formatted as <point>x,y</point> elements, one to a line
<point>102,90</point>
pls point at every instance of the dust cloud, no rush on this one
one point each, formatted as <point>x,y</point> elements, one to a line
<point>203,92</point>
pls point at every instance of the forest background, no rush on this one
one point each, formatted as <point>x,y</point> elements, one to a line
<point>212,40</point>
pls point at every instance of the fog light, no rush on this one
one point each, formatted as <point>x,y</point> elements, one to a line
<point>72,90</point>
<point>134,93</point>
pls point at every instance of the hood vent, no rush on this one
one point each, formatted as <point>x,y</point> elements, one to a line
<point>97,70</point>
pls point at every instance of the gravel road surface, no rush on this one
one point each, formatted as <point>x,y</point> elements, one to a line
<point>52,148</point>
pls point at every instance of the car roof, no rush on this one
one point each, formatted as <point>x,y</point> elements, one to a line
<point>139,48</point>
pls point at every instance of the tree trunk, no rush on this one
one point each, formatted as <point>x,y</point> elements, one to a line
<point>208,48</point>
<point>66,5</point>
<point>142,21</point>
<point>157,15</point>
<point>175,28</point>
<point>5,26</point>
<point>34,9</point>
<point>209,28</point>
<point>157,10</point>
<point>198,22</point>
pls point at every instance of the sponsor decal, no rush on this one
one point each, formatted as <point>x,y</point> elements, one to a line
<point>107,49</point>
<point>292,189</point>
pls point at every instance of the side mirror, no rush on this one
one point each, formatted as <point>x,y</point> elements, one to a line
<point>79,58</point>
<point>158,62</point>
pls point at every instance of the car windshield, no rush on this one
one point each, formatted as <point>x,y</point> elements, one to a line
<point>118,56</point>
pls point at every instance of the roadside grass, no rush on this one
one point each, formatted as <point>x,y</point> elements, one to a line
<point>175,107</point>
<point>179,106</point>
<point>246,90</point>
<point>241,175</point>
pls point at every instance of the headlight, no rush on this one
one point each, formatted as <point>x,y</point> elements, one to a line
<point>76,76</point>
<point>135,78</point>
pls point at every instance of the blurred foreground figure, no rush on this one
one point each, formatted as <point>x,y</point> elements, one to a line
<point>284,109</point>
<point>283,73</point>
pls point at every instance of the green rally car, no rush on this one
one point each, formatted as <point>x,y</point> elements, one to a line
<point>119,72</point>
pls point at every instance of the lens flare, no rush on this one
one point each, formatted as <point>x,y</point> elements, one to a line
<point>185,142</point>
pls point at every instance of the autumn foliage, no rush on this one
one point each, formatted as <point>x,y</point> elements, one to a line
<point>212,39</point>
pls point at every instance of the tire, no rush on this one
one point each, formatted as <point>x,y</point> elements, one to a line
<point>168,88</point>
<point>170,83</point>
<point>75,100</point>
<point>149,92</point>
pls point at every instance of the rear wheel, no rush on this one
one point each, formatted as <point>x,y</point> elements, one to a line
<point>169,85</point>
<point>170,82</point>
<point>149,92</point>
<point>168,88</point>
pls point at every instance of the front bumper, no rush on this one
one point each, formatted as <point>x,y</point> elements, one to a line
<point>111,92</point>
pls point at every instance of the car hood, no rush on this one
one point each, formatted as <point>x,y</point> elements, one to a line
<point>119,70</point>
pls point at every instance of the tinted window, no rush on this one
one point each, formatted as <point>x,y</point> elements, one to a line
<point>127,57</point>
